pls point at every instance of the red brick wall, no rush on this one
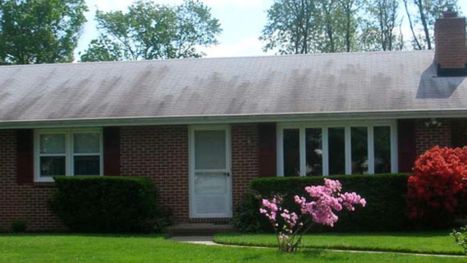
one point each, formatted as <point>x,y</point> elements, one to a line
<point>451,51</point>
<point>160,153</point>
<point>427,137</point>
<point>245,163</point>
<point>26,202</point>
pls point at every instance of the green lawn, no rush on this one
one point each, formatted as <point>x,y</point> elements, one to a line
<point>433,242</point>
<point>82,248</point>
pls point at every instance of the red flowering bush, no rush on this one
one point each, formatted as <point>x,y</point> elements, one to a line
<point>438,185</point>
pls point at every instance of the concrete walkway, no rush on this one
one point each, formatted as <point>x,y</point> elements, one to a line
<point>208,241</point>
<point>201,240</point>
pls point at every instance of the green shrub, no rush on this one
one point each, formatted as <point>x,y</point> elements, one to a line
<point>246,218</point>
<point>18,226</point>
<point>460,237</point>
<point>385,194</point>
<point>105,204</point>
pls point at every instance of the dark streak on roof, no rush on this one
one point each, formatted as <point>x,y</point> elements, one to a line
<point>323,83</point>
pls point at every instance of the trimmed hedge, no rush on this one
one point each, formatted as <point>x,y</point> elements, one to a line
<point>385,194</point>
<point>105,204</point>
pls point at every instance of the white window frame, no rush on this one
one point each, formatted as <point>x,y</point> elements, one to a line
<point>69,150</point>
<point>324,126</point>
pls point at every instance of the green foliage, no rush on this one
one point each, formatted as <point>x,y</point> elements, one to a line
<point>105,204</point>
<point>39,31</point>
<point>151,31</point>
<point>379,26</point>
<point>301,27</point>
<point>102,49</point>
<point>246,218</point>
<point>385,195</point>
<point>19,226</point>
<point>306,26</point>
<point>460,236</point>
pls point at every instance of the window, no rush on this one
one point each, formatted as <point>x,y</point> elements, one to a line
<point>67,152</point>
<point>359,144</point>
<point>382,150</point>
<point>314,152</point>
<point>52,154</point>
<point>335,148</point>
<point>292,154</point>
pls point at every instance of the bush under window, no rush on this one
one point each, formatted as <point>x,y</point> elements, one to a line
<point>105,204</point>
<point>385,194</point>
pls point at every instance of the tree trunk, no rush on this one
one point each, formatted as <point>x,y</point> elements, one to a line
<point>411,25</point>
<point>424,23</point>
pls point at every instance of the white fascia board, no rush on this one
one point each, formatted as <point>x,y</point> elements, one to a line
<point>223,119</point>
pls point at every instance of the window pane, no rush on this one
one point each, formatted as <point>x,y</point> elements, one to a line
<point>87,165</point>
<point>314,152</point>
<point>359,141</point>
<point>52,166</point>
<point>86,143</point>
<point>336,151</point>
<point>210,150</point>
<point>52,143</point>
<point>382,149</point>
<point>291,152</point>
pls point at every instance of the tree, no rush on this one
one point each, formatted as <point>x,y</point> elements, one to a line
<point>349,7</point>
<point>304,26</point>
<point>151,31</point>
<point>327,17</point>
<point>103,49</point>
<point>425,15</point>
<point>291,27</point>
<point>379,31</point>
<point>39,31</point>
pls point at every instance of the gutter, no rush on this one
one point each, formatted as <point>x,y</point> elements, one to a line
<point>237,118</point>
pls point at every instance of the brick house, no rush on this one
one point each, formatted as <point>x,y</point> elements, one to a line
<point>203,128</point>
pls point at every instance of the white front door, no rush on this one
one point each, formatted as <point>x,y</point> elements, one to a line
<point>210,173</point>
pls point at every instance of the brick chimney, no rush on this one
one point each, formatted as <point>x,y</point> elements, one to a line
<point>451,48</point>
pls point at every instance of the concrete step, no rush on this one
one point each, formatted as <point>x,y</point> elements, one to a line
<point>198,229</point>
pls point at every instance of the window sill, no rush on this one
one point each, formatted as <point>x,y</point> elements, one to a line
<point>44,181</point>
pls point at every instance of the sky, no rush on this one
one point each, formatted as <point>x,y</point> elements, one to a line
<point>241,22</point>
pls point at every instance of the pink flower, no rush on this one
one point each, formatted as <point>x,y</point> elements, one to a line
<point>322,205</point>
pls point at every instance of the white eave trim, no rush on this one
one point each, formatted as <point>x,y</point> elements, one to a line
<point>241,118</point>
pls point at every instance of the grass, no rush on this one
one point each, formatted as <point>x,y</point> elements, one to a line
<point>428,242</point>
<point>107,248</point>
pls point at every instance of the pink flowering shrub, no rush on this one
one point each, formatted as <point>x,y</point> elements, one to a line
<point>319,207</point>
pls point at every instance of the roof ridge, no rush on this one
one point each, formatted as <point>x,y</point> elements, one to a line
<point>219,58</point>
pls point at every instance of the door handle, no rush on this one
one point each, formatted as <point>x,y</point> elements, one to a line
<point>227,173</point>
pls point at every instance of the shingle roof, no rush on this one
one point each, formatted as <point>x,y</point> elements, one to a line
<point>303,84</point>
